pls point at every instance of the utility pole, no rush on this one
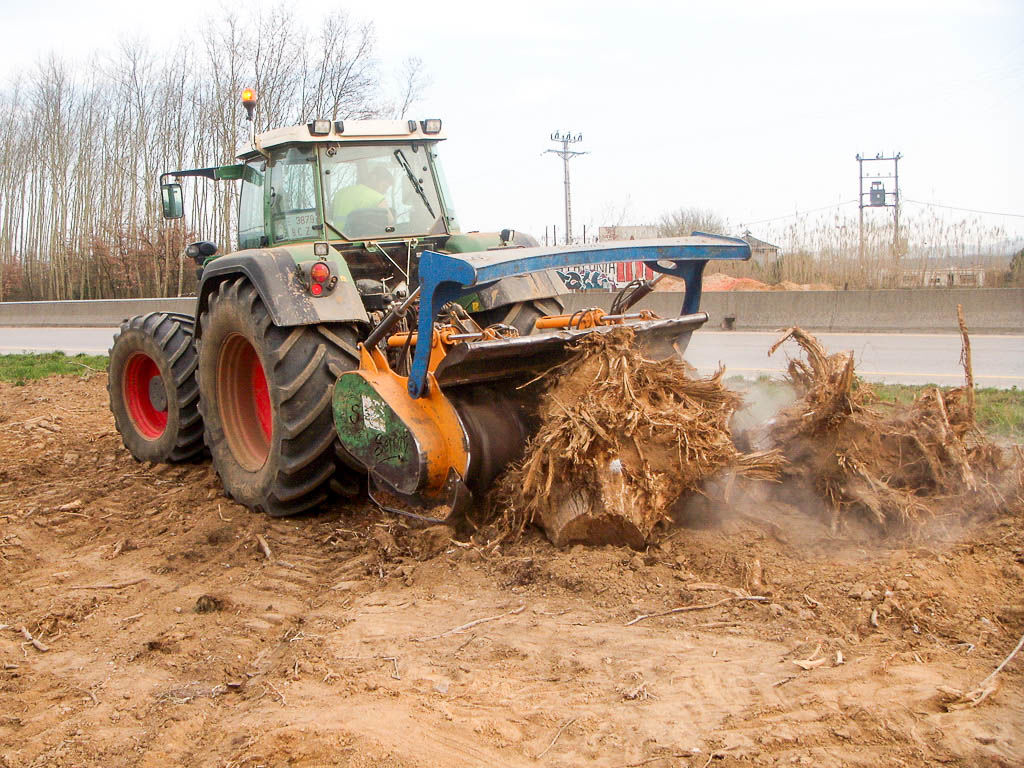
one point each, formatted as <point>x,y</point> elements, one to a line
<point>566,154</point>
<point>896,206</point>
<point>860,206</point>
<point>878,197</point>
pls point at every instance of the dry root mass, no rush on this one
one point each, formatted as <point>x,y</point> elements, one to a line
<point>897,466</point>
<point>621,438</point>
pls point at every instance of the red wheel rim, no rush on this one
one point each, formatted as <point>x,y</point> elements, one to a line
<point>261,393</point>
<point>139,372</point>
<point>244,398</point>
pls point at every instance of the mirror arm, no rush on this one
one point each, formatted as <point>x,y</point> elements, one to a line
<point>206,173</point>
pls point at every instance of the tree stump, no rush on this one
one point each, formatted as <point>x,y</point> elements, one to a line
<point>608,512</point>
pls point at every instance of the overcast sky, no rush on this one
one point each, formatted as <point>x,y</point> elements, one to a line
<point>754,109</point>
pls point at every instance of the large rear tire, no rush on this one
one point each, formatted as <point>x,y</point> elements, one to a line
<point>266,402</point>
<point>154,395</point>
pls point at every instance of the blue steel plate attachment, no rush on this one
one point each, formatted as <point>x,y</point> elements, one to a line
<point>446,277</point>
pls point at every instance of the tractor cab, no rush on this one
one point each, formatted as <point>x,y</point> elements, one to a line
<point>368,196</point>
<point>348,181</point>
<point>362,183</point>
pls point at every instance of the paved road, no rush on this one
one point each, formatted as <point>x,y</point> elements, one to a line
<point>896,358</point>
<point>72,341</point>
<point>908,358</point>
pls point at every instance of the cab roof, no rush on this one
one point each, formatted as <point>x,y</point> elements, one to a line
<point>351,131</point>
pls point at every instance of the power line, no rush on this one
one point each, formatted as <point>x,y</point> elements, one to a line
<point>799,213</point>
<point>906,199</point>
<point>968,210</point>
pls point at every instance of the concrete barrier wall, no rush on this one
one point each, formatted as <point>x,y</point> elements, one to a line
<point>86,314</point>
<point>988,310</point>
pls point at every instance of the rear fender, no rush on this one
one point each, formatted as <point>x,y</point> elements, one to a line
<point>272,271</point>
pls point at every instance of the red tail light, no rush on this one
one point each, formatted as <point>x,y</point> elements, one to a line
<point>320,273</point>
<point>316,289</point>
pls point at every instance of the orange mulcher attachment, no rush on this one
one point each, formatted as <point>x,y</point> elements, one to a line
<point>427,451</point>
<point>435,451</point>
<point>442,434</point>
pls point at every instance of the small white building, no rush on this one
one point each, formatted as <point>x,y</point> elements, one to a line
<point>623,232</point>
<point>761,251</point>
<point>944,277</point>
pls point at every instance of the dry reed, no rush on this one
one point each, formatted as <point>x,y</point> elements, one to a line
<point>826,250</point>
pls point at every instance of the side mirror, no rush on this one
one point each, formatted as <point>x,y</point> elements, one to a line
<point>200,251</point>
<point>170,198</point>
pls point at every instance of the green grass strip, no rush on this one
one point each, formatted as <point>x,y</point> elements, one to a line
<point>17,369</point>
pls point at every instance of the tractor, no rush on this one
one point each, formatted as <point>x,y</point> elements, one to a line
<point>358,339</point>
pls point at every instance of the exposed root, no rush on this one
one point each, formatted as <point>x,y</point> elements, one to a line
<point>621,438</point>
<point>895,465</point>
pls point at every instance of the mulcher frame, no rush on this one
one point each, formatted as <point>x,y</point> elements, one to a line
<point>447,277</point>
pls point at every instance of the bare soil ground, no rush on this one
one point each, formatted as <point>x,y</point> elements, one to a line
<point>174,640</point>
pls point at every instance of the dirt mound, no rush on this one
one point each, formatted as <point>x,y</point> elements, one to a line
<point>630,435</point>
<point>174,639</point>
<point>787,285</point>
<point>718,281</point>
<point>900,466</point>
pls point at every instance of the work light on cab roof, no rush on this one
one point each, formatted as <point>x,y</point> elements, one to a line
<point>322,126</point>
<point>249,101</point>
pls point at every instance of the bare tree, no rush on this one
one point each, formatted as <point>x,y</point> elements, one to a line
<point>81,147</point>
<point>683,221</point>
<point>412,82</point>
<point>343,82</point>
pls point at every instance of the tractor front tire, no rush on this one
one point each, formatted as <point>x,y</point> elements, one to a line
<point>153,391</point>
<point>266,402</point>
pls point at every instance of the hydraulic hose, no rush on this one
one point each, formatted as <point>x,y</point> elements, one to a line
<point>390,320</point>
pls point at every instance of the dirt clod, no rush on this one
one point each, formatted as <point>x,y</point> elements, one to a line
<point>430,542</point>
<point>208,604</point>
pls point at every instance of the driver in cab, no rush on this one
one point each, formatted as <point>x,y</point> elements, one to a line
<point>369,191</point>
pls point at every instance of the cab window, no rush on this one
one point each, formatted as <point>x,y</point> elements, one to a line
<point>380,190</point>
<point>292,201</point>
<point>251,232</point>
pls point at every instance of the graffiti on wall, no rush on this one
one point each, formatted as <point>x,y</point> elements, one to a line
<point>583,279</point>
<point>625,271</point>
<point>589,277</point>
